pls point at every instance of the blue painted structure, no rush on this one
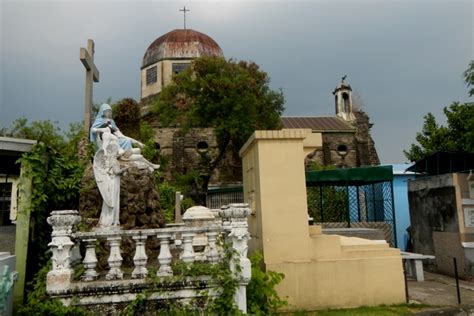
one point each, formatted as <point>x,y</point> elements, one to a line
<point>400,197</point>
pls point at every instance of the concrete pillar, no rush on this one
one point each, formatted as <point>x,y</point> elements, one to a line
<point>275,186</point>
<point>22,231</point>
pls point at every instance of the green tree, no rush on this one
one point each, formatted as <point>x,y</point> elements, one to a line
<point>457,135</point>
<point>232,97</point>
<point>127,117</point>
<point>469,77</point>
<point>56,175</point>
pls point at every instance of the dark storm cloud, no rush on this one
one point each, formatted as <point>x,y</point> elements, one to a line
<point>405,58</point>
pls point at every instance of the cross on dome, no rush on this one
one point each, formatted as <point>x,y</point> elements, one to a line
<point>184,13</point>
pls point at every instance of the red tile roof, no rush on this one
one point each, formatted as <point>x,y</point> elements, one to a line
<point>317,123</point>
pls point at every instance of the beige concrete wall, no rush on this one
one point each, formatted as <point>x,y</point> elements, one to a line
<point>167,69</point>
<point>335,283</point>
<point>164,73</point>
<point>320,270</point>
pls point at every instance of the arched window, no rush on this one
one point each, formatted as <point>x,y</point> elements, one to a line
<point>346,101</point>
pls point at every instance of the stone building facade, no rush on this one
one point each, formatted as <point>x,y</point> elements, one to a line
<point>346,135</point>
<point>347,142</point>
<point>194,151</point>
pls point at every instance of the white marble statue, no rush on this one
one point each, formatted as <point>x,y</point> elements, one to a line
<point>107,173</point>
<point>104,123</point>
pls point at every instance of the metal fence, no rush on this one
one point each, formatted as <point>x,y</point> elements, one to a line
<point>217,197</point>
<point>353,204</point>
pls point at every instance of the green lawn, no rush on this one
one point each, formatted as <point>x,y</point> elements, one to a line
<point>392,310</point>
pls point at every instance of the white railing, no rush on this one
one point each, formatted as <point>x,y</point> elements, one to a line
<point>195,240</point>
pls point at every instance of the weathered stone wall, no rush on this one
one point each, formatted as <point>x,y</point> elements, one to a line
<point>333,156</point>
<point>359,145</point>
<point>366,152</point>
<point>185,154</point>
<point>194,151</point>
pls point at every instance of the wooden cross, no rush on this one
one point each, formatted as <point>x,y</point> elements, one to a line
<point>184,12</point>
<point>92,75</point>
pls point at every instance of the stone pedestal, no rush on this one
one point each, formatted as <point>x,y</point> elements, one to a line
<point>199,216</point>
<point>236,216</point>
<point>60,276</point>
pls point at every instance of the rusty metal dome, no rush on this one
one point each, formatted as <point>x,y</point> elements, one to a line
<point>181,43</point>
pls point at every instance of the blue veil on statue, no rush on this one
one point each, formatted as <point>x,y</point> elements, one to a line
<point>101,121</point>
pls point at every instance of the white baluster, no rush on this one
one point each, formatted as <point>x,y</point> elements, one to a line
<point>188,252</point>
<point>212,253</point>
<point>140,271</point>
<point>164,258</point>
<point>90,260</point>
<point>115,259</point>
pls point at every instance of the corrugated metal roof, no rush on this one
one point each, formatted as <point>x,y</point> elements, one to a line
<point>317,123</point>
<point>181,43</point>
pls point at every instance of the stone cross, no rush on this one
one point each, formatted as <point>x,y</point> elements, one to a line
<point>184,12</point>
<point>92,75</point>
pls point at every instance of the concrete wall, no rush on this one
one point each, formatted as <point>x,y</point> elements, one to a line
<point>438,208</point>
<point>432,208</point>
<point>321,271</point>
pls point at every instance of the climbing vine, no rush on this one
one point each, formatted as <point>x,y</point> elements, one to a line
<point>262,297</point>
<point>55,174</point>
<point>219,275</point>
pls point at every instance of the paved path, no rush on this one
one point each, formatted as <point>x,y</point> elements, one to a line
<point>440,290</point>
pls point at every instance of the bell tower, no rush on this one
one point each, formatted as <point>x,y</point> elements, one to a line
<point>343,98</point>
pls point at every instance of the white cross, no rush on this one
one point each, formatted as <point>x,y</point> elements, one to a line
<point>92,75</point>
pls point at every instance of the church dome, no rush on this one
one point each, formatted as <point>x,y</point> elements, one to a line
<point>181,43</point>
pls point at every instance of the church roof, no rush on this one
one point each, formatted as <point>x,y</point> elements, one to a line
<point>317,123</point>
<point>181,43</point>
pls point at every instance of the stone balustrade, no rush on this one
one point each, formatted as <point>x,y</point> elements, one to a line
<point>195,240</point>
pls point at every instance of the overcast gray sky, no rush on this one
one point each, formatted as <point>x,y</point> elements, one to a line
<point>404,58</point>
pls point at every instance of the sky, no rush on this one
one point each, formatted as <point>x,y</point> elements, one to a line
<point>402,58</point>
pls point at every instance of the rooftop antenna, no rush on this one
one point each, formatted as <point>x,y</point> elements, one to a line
<point>184,13</point>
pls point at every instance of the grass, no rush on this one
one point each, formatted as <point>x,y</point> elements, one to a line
<point>383,310</point>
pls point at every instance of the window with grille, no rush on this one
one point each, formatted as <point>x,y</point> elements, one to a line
<point>151,75</point>
<point>5,203</point>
